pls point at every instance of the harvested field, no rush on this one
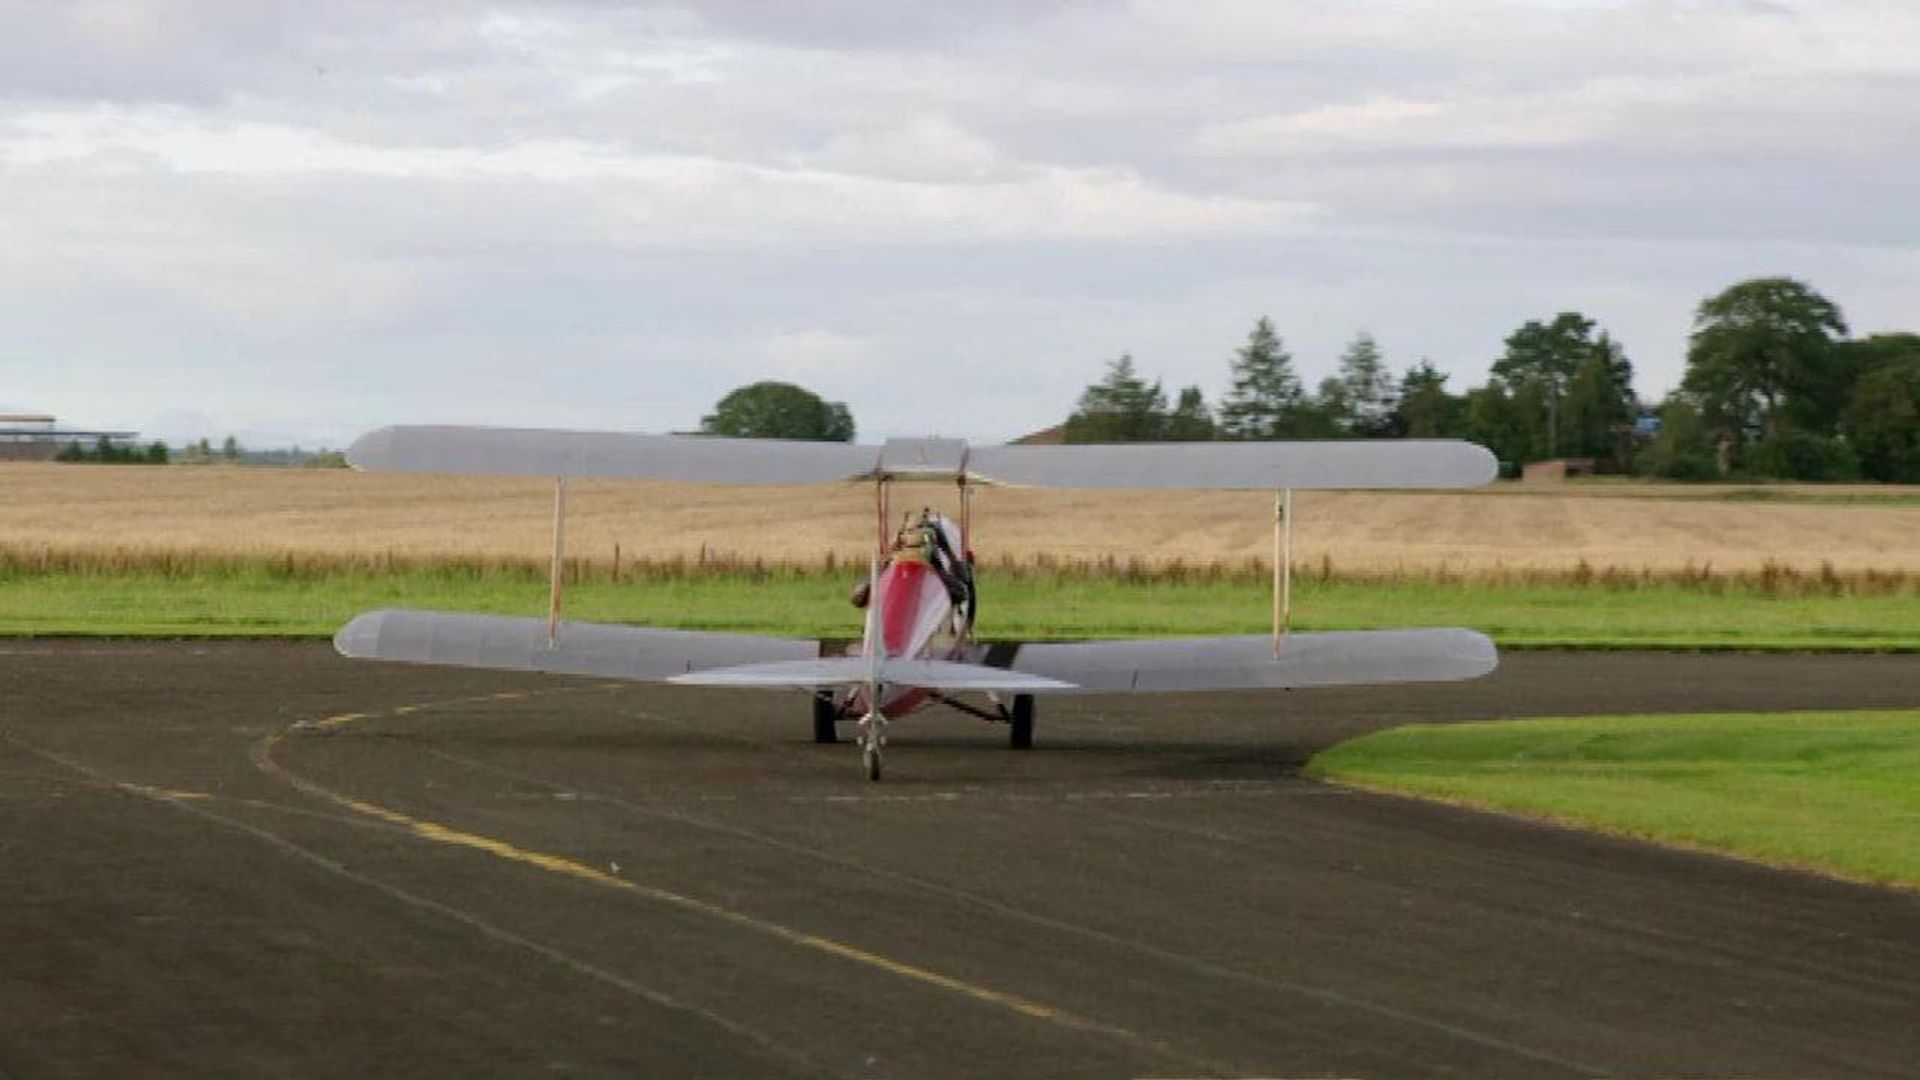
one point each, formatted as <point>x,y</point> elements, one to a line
<point>105,513</point>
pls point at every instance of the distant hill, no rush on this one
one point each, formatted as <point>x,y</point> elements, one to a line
<point>1052,436</point>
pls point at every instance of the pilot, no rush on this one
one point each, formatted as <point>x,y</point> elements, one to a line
<point>921,540</point>
<point>915,541</point>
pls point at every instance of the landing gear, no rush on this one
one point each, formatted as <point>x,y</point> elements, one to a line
<point>1020,723</point>
<point>826,715</point>
<point>873,736</point>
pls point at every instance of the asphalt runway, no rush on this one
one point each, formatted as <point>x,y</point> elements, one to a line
<point>262,860</point>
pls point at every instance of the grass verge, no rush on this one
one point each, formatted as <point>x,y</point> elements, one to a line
<point>1830,791</point>
<point>257,600</point>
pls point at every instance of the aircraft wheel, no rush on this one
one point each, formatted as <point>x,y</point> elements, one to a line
<point>1020,724</point>
<point>870,759</point>
<point>826,716</point>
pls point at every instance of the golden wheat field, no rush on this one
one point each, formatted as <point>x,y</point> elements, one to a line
<point>238,512</point>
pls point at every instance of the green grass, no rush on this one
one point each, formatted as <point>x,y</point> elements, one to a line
<point>1834,791</point>
<point>257,601</point>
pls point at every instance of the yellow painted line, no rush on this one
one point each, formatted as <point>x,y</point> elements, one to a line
<point>329,723</point>
<point>163,793</point>
<point>558,864</point>
<point>579,871</point>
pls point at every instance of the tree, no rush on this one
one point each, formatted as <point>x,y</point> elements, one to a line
<point>156,453</point>
<point>1190,420</point>
<point>1599,405</point>
<point>1764,358</point>
<point>1684,448</point>
<point>1119,408</point>
<point>1265,398</point>
<point>230,449</point>
<point>1423,409</point>
<point>1882,421</point>
<point>1494,420</point>
<point>778,410</point>
<point>1539,366</point>
<point>1318,415</point>
<point>1364,401</point>
<point>1330,403</point>
<point>1879,350</point>
<point>1801,455</point>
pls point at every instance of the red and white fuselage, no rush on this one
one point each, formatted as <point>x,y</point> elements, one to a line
<point>911,615</point>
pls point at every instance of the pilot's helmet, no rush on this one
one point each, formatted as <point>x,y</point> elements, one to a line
<point>911,543</point>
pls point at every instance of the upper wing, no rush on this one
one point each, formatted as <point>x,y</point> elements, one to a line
<point>700,459</point>
<point>1332,658</point>
<point>1359,463</point>
<point>533,452</point>
<point>518,644</point>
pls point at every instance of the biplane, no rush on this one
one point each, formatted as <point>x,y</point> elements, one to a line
<point>917,647</point>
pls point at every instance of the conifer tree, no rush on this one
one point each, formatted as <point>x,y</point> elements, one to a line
<point>1265,395</point>
<point>1122,407</point>
<point>1423,408</point>
<point>1366,390</point>
<point>1190,420</point>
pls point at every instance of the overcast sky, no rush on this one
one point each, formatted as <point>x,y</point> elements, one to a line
<point>296,220</point>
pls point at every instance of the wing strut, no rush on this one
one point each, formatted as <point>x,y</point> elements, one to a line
<point>559,560</point>
<point>966,518</point>
<point>1282,567</point>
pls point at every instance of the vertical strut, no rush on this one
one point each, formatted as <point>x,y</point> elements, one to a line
<point>881,499</point>
<point>966,517</point>
<point>559,556</point>
<point>1282,567</point>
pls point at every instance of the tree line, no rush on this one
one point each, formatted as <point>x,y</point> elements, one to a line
<point>1774,387</point>
<point>105,451</point>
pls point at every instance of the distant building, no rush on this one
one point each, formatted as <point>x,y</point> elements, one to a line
<point>38,437</point>
<point>1555,470</point>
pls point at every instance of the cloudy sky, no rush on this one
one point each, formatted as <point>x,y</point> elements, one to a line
<point>296,220</point>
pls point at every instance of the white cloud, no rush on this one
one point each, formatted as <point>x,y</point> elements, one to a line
<point>1388,124</point>
<point>653,200</point>
<point>814,354</point>
<point>924,148</point>
<point>280,213</point>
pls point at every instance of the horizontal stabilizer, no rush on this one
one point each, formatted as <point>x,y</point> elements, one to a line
<point>1331,658</point>
<point>853,670</point>
<point>519,644</point>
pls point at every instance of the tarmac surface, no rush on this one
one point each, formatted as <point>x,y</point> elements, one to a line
<point>263,860</point>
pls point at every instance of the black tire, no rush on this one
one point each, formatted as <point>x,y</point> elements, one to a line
<point>1020,723</point>
<point>826,716</point>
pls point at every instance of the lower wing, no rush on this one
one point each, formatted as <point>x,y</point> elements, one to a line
<point>1334,658</point>
<point>1330,658</point>
<point>581,648</point>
